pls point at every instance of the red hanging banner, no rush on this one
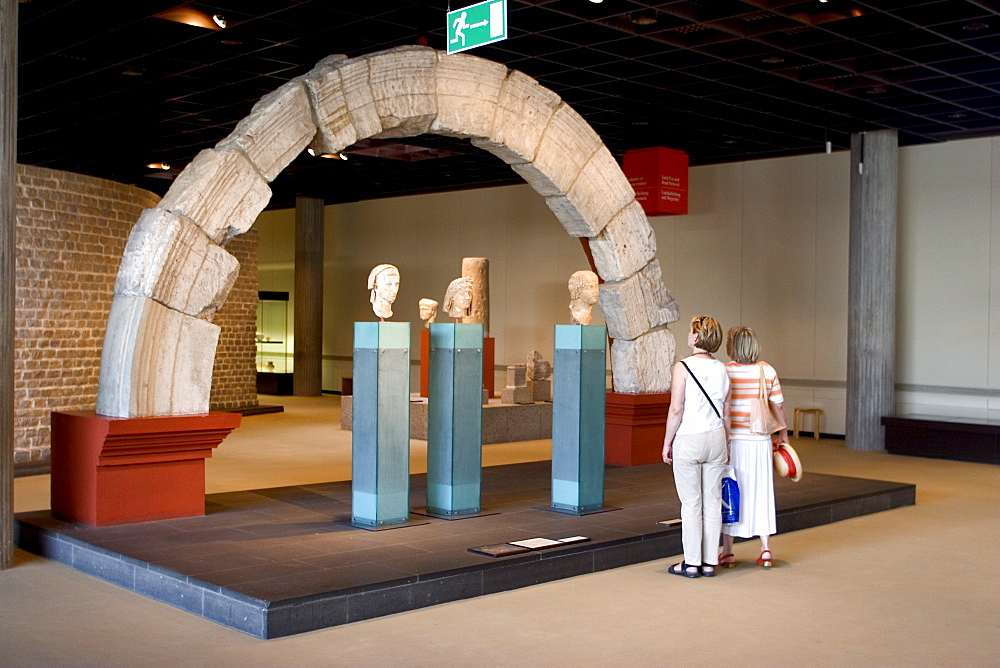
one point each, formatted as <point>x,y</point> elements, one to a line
<point>659,177</point>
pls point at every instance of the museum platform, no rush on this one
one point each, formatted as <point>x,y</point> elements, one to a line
<point>276,562</point>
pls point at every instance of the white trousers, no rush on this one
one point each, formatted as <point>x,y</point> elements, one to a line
<point>699,463</point>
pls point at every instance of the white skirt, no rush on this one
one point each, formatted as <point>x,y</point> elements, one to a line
<point>754,474</point>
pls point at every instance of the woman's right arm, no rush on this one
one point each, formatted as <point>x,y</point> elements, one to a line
<point>675,412</point>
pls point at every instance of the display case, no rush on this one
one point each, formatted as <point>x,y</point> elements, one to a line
<point>274,363</point>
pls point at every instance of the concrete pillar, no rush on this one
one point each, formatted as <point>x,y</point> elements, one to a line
<point>8,191</point>
<point>871,295</point>
<point>308,378</point>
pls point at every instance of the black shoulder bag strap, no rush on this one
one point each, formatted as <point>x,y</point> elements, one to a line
<point>710,402</point>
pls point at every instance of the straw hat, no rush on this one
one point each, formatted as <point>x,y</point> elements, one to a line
<point>786,462</point>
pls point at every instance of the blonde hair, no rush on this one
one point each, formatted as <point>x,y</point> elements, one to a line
<point>709,332</point>
<point>742,345</point>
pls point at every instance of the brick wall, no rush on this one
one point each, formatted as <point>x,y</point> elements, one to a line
<point>234,378</point>
<point>71,230</point>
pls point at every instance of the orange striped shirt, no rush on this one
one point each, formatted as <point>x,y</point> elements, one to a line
<point>745,381</point>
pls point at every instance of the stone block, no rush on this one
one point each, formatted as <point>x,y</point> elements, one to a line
<point>516,395</point>
<point>517,375</point>
<point>600,192</point>
<point>467,92</point>
<point>541,390</point>
<point>404,87</point>
<point>524,108</point>
<point>335,131</point>
<point>278,128</point>
<point>355,81</point>
<point>626,245</point>
<point>567,145</point>
<point>644,364</point>
<point>220,191</point>
<point>637,304</point>
<point>170,260</point>
<point>155,361</point>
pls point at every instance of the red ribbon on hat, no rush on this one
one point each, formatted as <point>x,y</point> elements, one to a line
<point>787,457</point>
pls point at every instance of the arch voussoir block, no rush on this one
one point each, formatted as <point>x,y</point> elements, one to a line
<point>639,303</point>
<point>524,109</point>
<point>404,90</point>
<point>625,245</point>
<point>643,365</point>
<point>171,260</point>
<point>155,361</point>
<point>278,128</point>
<point>221,191</point>
<point>355,81</point>
<point>335,129</point>
<point>468,89</point>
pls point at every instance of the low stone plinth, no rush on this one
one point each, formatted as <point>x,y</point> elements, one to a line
<point>502,423</point>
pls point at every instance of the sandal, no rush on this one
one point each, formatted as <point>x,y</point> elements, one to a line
<point>761,561</point>
<point>707,570</point>
<point>728,560</point>
<point>682,570</point>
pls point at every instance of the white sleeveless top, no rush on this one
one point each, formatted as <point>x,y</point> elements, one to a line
<point>698,416</point>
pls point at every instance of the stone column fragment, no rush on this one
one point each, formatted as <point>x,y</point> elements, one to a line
<point>643,365</point>
<point>156,361</point>
<point>278,128</point>
<point>637,304</point>
<point>170,260</point>
<point>220,191</point>
<point>477,270</point>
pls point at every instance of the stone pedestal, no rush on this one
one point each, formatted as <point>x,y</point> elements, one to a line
<point>541,390</point>
<point>635,426</point>
<point>380,441</point>
<point>578,419</point>
<point>108,471</point>
<point>455,419</point>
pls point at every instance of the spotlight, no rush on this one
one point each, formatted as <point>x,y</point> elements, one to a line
<point>219,19</point>
<point>645,17</point>
<point>597,2</point>
<point>192,17</point>
<point>158,165</point>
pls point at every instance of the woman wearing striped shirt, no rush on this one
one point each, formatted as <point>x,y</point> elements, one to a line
<point>749,453</point>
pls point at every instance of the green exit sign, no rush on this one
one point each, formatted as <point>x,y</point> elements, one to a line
<point>476,25</point>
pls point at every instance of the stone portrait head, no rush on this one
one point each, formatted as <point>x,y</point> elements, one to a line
<point>584,290</point>
<point>458,297</point>
<point>383,281</point>
<point>428,311</point>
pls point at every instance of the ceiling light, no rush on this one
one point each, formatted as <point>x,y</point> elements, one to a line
<point>597,2</point>
<point>131,72</point>
<point>311,151</point>
<point>774,60</point>
<point>974,27</point>
<point>158,165</point>
<point>824,1</point>
<point>876,90</point>
<point>645,17</point>
<point>957,115</point>
<point>190,16</point>
<point>219,20</point>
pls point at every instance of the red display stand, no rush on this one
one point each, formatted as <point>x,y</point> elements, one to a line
<point>425,361</point>
<point>108,471</point>
<point>489,357</point>
<point>634,425</point>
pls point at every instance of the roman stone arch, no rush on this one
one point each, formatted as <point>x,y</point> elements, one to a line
<point>175,272</point>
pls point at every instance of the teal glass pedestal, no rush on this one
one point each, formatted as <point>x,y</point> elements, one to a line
<point>578,419</point>
<point>455,420</point>
<point>380,444</point>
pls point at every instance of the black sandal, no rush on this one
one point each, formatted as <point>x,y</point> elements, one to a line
<point>682,570</point>
<point>707,573</point>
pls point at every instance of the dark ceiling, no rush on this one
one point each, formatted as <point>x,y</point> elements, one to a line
<point>106,87</point>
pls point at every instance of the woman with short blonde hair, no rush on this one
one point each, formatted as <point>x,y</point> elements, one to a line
<point>750,454</point>
<point>695,443</point>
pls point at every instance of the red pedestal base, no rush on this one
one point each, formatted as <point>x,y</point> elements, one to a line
<point>634,428</point>
<point>489,357</point>
<point>425,362</point>
<point>108,471</point>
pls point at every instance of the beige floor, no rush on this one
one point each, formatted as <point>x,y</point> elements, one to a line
<point>913,586</point>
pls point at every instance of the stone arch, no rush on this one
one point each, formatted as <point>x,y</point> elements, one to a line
<point>175,272</point>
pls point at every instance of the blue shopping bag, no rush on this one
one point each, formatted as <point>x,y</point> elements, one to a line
<point>730,497</point>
